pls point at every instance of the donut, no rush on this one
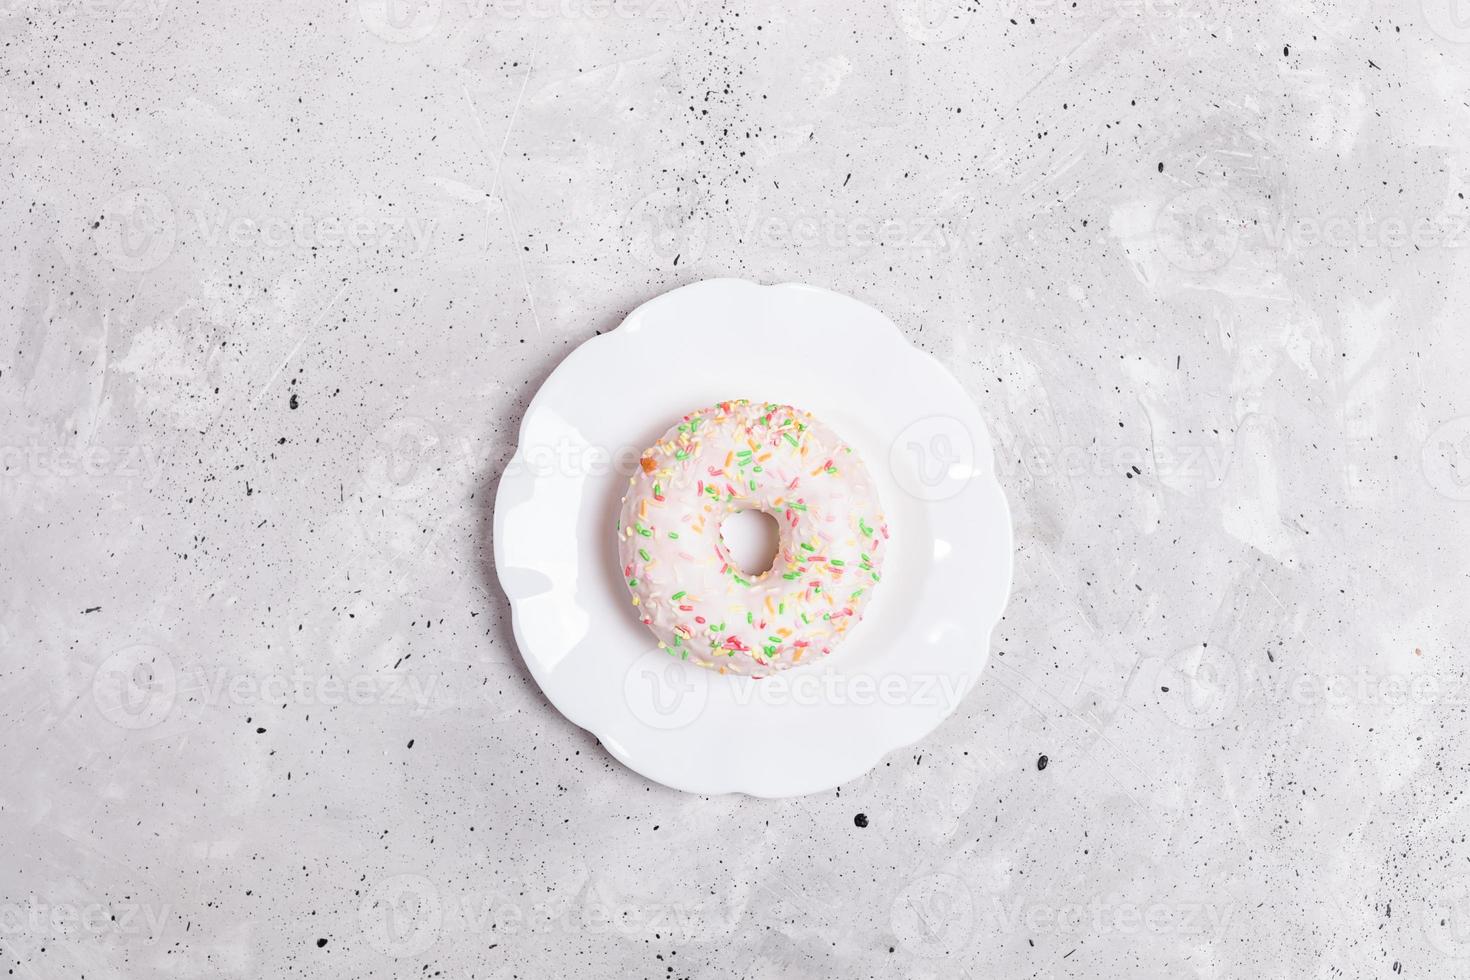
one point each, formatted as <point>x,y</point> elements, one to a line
<point>736,456</point>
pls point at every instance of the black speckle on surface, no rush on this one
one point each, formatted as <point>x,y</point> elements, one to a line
<point>294,403</point>
<point>320,943</point>
<point>861,819</point>
<point>1041,762</point>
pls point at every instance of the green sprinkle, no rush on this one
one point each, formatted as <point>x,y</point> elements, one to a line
<point>781,608</point>
<point>797,506</point>
<point>856,594</point>
<point>679,595</point>
<point>632,583</point>
<point>790,575</point>
<point>742,581</point>
<point>775,639</point>
<point>674,535</point>
<point>837,561</point>
<point>863,527</point>
<point>876,577</point>
<point>681,454</point>
<point>807,546</point>
<point>750,617</point>
<point>789,438</point>
<point>752,484</point>
<point>804,619</point>
<point>657,490</point>
<point>643,530</point>
<point>643,553</point>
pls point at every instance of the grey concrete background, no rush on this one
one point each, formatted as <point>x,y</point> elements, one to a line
<point>278,280</point>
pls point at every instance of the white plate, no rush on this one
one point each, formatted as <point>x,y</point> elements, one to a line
<point>926,634</point>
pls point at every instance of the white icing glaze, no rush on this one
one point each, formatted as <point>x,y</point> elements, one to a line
<point>736,456</point>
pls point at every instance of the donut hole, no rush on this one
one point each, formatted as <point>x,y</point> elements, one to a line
<point>751,538</point>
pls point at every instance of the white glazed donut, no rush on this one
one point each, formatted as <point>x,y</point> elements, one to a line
<point>736,456</point>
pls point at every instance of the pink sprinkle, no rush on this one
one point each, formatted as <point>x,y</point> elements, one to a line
<point>699,619</point>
